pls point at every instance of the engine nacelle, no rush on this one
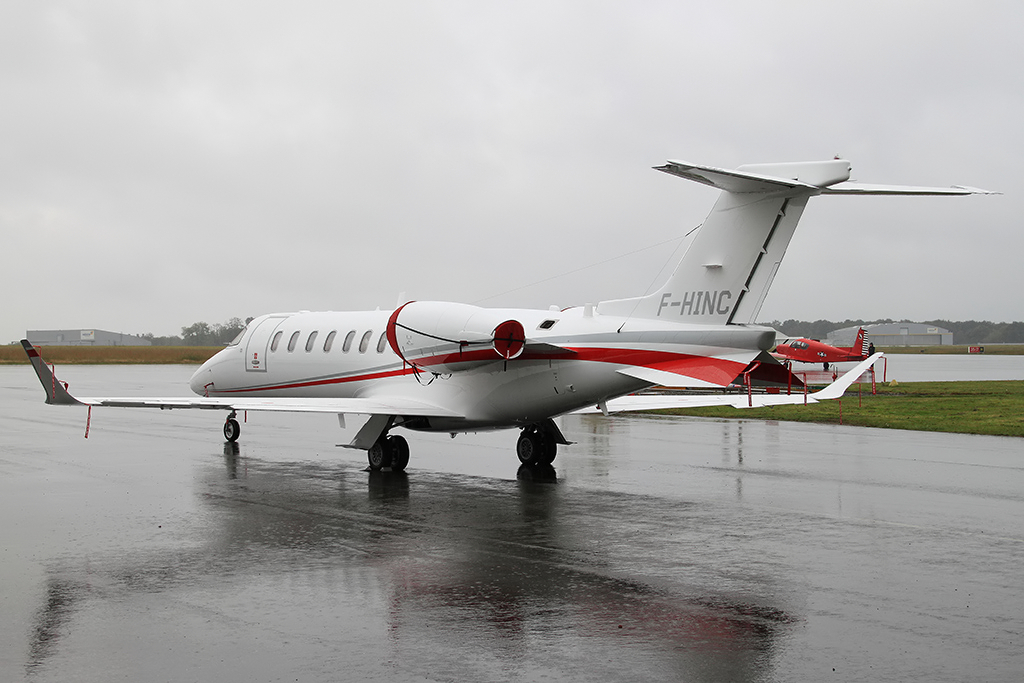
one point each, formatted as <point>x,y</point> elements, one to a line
<point>441,336</point>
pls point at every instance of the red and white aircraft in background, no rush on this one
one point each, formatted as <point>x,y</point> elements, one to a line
<point>814,351</point>
<point>452,367</point>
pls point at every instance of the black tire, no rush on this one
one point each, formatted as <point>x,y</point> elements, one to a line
<point>550,450</point>
<point>530,448</point>
<point>399,453</point>
<point>231,430</point>
<point>379,454</point>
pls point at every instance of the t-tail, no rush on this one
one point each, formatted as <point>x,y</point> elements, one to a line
<point>725,274</point>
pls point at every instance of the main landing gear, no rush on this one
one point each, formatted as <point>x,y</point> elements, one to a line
<point>389,451</point>
<point>536,446</point>
<point>231,428</point>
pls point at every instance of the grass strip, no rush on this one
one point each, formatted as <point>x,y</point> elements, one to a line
<point>994,408</point>
<point>955,350</point>
<point>13,354</point>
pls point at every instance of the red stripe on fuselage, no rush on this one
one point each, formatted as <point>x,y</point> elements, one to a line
<point>321,382</point>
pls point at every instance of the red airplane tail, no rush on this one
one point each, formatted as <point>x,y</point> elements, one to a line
<point>860,345</point>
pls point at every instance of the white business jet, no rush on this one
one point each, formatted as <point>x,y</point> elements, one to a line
<point>452,367</point>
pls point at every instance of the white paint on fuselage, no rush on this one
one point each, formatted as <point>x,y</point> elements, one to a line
<point>495,395</point>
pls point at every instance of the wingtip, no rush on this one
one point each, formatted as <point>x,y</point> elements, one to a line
<point>32,351</point>
<point>975,190</point>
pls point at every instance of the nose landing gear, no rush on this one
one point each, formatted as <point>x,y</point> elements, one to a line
<point>231,428</point>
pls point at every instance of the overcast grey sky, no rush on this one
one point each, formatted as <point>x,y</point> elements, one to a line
<point>164,163</point>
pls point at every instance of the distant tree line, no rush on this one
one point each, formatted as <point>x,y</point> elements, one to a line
<point>202,334</point>
<point>964,332</point>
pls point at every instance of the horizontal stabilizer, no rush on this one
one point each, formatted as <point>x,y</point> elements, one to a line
<point>865,189</point>
<point>763,177</point>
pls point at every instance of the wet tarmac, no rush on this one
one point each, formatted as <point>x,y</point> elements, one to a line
<point>657,549</point>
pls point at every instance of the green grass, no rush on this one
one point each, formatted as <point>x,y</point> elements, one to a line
<point>995,408</point>
<point>990,349</point>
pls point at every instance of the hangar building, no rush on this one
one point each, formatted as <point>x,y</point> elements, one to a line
<point>84,338</point>
<point>894,334</point>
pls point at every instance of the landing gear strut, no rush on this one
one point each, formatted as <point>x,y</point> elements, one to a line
<point>231,428</point>
<point>389,451</point>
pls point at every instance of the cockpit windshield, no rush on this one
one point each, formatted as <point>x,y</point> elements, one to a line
<point>238,337</point>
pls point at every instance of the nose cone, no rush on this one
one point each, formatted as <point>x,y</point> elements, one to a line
<point>201,378</point>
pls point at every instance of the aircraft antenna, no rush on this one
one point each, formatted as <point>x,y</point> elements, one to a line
<point>657,276</point>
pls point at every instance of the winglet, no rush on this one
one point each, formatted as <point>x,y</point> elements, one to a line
<point>839,387</point>
<point>56,391</point>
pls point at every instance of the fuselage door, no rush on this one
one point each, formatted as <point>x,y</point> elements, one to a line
<point>258,347</point>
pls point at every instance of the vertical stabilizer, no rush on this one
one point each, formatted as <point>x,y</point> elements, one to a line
<point>860,345</point>
<point>727,270</point>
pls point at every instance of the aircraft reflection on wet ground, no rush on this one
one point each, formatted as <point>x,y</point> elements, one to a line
<point>658,549</point>
<point>470,576</point>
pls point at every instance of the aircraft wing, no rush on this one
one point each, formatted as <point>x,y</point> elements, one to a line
<point>57,393</point>
<point>360,406</point>
<point>663,401</point>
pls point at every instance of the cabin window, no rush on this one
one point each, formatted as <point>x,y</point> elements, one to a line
<point>329,342</point>
<point>311,340</point>
<point>291,341</point>
<point>348,341</point>
<point>382,342</point>
<point>365,341</point>
<point>277,340</point>
<point>546,325</point>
